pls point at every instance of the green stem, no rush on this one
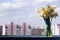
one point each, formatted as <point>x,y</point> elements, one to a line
<point>48,29</point>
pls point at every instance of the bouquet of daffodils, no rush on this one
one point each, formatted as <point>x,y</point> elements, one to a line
<point>48,13</point>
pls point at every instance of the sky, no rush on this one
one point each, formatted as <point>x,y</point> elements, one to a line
<point>20,11</point>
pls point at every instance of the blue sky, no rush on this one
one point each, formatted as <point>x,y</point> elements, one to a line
<point>20,11</point>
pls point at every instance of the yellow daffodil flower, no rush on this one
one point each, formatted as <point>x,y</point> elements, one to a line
<point>48,11</point>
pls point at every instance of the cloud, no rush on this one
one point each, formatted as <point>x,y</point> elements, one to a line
<point>8,5</point>
<point>36,2</point>
<point>3,14</point>
<point>32,15</point>
<point>22,3</point>
<point>13,4</point>
<point>18,1</point>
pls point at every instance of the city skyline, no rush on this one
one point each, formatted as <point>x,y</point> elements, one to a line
<point>20,11</point>
<point>13,29</point>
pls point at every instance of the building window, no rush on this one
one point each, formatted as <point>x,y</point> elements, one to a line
<point>6,32</point>
<point>18,32</point>
<point>18,27</point>
<point>6,27</point>
<point>29,27</point>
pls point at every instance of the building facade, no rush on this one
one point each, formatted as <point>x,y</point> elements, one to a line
<point>38,31</point>
<point>56,29</point>
<point>12,29</point>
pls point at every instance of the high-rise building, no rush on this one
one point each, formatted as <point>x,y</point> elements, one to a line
<point>8,29</point>
<point>26,29</point>
<point>19,30</point>
<point>11,27</point>
<point>56,29</point>
<point>1,30</point>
